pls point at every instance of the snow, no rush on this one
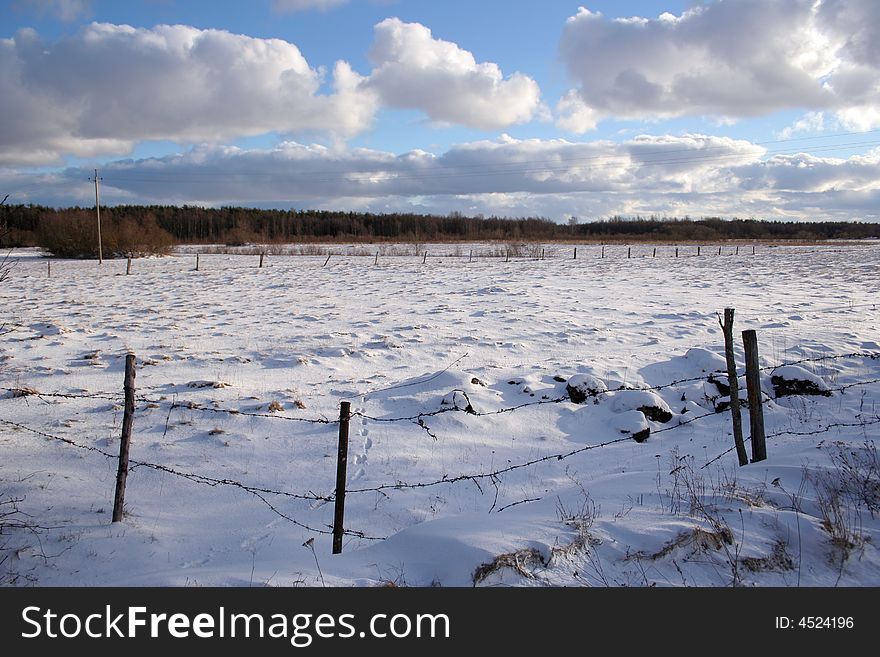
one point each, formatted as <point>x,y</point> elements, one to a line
<point>466,454</point>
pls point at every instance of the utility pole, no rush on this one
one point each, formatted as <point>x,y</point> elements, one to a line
<point>98,212</point>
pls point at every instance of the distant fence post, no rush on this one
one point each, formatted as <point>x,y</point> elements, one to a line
<point>425,259</point>
<point>48,269</point>
<point>261,260</point>
<point>654,253</point>
<point>603,250</point>
<point>125,442</point>
<point>327,260</point>
<point>753,385</point>
<point>575,253</point>
<point>197,261</point>
<point>471,256</point>
<point>629,252</point>
<point>542,254</point>
<point>698,249</point>
<point>128,266</point>
<point>737,249</point>
<point>719,250</point>
<point>341,468</point>
<point>727,328</point>
<point>508,256</point>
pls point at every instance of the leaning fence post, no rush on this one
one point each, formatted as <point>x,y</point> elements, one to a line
<point>727,328</point>
<point>341,467</point>
<point>425,259</point>
<point>125,442</point>
<point>753,385</point>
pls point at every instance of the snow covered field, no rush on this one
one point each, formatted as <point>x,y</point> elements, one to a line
<point>468,462</point>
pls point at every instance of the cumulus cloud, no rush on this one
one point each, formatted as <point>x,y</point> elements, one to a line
<point>303,5</point>
<point>729,58</point>
<point>415,70</point>
<point>676,175</point>
<point>110,86</point>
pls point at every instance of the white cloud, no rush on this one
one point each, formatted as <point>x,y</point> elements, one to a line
<point>65,10</point>
<point>730,58</point>
<point>415,70</point>
<point>574,115</point>
<point>304,5</point>
<point>697,175</point>
<point>811,122</point>
<point>110,86</point>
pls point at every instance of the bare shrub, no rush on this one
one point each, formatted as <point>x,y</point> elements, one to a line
<point>74,234</point>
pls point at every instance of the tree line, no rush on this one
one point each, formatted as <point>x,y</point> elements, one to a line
<point>136,229</point>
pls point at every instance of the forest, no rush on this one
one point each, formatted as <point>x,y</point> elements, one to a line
<point>141,230</point>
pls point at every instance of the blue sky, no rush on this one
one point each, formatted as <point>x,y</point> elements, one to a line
<point>730,107</point>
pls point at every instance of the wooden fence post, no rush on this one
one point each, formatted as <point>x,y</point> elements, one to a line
<point>753,385</point>
<point>575,253</point>
<point>753,249</point>
<point>629,252</point>
<point>508,257</point>
<point>542,254</point>
<point>603,250</point>
<point>471,256</point>
<point>654,254</point>
<point>327,260</point>
<point>125,442</point>
<point>261,260</point>
<point>197,261</point>
<point>341,468</point>
<point>128,266</point>
<point>676,252</point>
<point>737,249</point>
<point>719,250</point>
<point>48,269</point>
<point>698,249</point>
<point>425,259</point>
<point>727,328</point>
<point>376,262</point>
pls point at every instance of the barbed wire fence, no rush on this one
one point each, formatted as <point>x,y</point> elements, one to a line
<point>265,495</point>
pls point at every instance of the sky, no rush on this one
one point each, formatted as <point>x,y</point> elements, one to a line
<point>731,108</point>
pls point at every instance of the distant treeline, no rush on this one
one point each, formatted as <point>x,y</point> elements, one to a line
<point>72,232</point>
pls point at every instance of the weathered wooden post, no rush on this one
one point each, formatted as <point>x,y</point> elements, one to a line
<point>128,266</point>
<point>341,469</point>
<point>197,261</point>
<point>603,250</point>
<point>753,386</point>
<point>327,260</point>
<point>727,328</point>
<point>125,442</point>
<point>261,260</point>
<point>376,262</point>
<point>575,253</point>
<point>48,269</point>
<point>629,252</point>
<point>719,250</point>
<point>471,256</point>
<point>654,254</point>
<point>676,252</point>
<point>698,249</point>
<point>425,259</point>
<point>508,256</point>
<point>737,249</point>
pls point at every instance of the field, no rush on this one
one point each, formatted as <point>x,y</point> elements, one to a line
<point>469,460</point>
